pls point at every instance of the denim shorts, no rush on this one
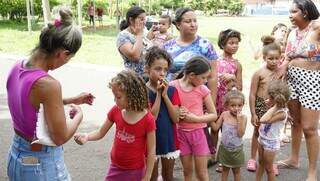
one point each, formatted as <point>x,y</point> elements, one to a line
<point>45,165</point>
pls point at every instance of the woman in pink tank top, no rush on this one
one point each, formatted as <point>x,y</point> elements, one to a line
<point>29,86</point>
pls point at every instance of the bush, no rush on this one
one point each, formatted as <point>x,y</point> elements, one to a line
<point>16,9</point>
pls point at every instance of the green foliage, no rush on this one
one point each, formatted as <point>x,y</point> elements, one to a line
<point>235,7</point>
<point>16,9</point>
<point>172,3</point>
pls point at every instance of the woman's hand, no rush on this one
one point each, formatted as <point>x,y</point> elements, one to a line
<point>83,98</point>
<point>81,138</point>
<point>138,28</point>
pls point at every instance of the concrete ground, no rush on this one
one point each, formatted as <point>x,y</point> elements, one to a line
<point>90,162</point>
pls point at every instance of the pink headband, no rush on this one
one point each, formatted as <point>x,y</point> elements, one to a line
<point>57,23</point>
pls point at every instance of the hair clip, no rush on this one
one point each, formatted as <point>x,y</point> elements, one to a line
<point>57,23</point>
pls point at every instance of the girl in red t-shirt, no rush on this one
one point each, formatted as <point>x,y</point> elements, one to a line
<point>135,130</point>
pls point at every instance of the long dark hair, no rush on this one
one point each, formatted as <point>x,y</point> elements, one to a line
<point>308,8</point>
<point>225,35</point>
<point>197,65</point>
<point>132,13</point>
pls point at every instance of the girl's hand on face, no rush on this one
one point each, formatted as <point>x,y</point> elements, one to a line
<point>165,86</point>
<point>81,138</point>
<point>240,116</point>
<point>84,98</point>
<point>159,86</point>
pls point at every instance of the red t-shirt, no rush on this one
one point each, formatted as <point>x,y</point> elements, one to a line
<point>130,141</point>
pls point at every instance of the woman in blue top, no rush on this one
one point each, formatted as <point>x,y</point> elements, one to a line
<point>131,41</point>
<point>188,44</point>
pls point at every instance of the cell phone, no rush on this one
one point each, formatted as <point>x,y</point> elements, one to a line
<point>30,160</point>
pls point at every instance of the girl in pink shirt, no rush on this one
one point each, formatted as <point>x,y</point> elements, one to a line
<point>193,95</point>
<point>135,130</point>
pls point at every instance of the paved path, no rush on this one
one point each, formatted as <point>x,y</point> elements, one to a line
<point>89,162</point>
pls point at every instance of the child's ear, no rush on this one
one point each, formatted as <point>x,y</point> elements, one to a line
<point>192,74</point>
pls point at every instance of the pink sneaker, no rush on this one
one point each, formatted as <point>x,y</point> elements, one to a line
<point>251,165</point>
<point>275,169</point>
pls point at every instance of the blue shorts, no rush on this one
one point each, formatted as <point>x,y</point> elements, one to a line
<point>24,164</point>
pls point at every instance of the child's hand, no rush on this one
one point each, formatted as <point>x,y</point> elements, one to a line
<point>183,112</point>
<point>255,120</point>
<point>190,117</point>
<point>84,98</point>
<point>240,116</point>
<point>74,111</point>
<point>165,86</point>
<point>159,86</point>
<point>227,77</point>
<point>81,138</point>
<point>268,103</point>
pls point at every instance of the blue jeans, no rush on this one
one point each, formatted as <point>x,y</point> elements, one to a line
<point>45,165</point>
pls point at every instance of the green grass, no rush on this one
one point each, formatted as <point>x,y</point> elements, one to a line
<point>99,46</point>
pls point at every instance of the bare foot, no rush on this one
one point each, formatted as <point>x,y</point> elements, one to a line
<point>287,164</point>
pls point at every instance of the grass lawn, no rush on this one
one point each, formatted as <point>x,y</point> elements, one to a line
<point>99,45</point>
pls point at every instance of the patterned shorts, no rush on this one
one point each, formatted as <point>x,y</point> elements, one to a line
<point>305,86</point>
<point>269,145</point>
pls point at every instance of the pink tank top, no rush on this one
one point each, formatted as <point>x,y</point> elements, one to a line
<point>19,83</point>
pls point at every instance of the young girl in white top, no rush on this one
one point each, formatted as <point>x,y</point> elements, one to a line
<point>233,125</point>
<point>271,124</point>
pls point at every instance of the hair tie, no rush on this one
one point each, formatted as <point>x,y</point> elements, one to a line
<point>57,23</point>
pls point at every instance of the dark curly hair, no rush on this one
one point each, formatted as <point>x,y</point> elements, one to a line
<point>225,35</point>
<point>134,88</point>
<point>155,53</point>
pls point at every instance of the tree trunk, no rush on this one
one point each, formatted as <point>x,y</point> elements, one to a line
<point>110,9</point>
<point>46,11</point>
<point>28,15</point>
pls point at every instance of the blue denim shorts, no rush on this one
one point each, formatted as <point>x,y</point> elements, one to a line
<point>45,165</point>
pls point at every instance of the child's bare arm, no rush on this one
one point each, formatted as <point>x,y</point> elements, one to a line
<point>151,149</point>
<point>213,81</point>
<point>82,138</point>
<point>242,124</point>
<point>172,109</point>
<point>215,125</point>
<point>239,76</point>
<point>275,117</point>
<point>156,106</point>
<point>268,115</point>
<point>252,98</point>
